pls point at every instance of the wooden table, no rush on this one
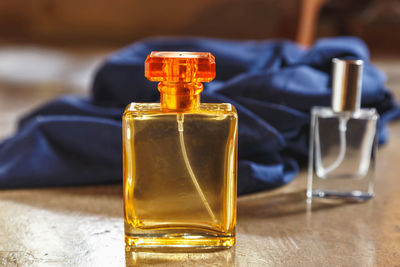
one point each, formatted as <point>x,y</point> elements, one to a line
<point>83,226</point>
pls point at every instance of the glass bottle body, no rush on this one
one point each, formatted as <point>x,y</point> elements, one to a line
<point>180,176</point>
<point>342,154</point>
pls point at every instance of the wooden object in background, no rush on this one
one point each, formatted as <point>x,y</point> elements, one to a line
<point>308,21</point>
<point>122,21</point>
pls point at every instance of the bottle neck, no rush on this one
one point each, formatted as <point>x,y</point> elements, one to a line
<point>179,96</point>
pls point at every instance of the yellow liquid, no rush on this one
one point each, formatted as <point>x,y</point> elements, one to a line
<point>164,208</point>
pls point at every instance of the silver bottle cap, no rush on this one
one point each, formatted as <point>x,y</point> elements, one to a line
<point>346,84</point>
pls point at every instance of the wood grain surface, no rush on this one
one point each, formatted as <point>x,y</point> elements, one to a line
<point>83,226</point>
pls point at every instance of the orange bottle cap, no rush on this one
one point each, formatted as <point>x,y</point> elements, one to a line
<point>187,67</point>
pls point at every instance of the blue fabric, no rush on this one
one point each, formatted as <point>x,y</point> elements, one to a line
<point>273,84</point>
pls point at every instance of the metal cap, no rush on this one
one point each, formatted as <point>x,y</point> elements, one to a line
<point>346,84</point>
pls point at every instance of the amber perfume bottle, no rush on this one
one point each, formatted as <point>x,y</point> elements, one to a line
<point>343,140</point>
<point>179,160</point>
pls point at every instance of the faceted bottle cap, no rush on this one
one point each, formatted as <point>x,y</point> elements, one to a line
<point>180,75</point>
<point>346,84</point>
<point>188,67</point>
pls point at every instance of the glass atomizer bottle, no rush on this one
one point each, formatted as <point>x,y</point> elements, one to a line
<point>343,139</point>
<point>179,159</point>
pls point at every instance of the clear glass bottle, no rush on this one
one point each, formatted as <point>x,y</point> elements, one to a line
<point>179,159</point>
<point>343,140</point>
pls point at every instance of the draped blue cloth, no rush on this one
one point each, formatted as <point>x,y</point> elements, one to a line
<point>273,84</point>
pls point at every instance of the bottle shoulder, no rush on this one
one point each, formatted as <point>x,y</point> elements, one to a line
<point>141,109</point>
<point>363,113</point>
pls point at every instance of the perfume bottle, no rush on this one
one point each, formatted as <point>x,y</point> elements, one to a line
<point>179,160</point>
<point>343,140</point>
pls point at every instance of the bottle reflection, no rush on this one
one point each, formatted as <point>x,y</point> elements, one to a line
<point>222,257</point>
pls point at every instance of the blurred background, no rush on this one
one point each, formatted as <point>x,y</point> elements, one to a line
<point>53,47</point>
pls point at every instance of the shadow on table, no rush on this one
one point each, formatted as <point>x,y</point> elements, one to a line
<point>103,200</point>
<point>281,216</point>
<point>267,205</point>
